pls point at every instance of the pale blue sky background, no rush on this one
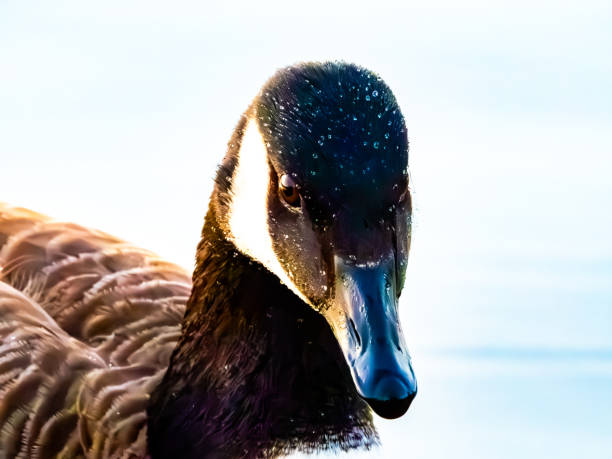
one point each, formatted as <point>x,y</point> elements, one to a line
<point>115,114</point>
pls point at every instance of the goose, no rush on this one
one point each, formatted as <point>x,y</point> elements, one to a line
<point>285,338</point>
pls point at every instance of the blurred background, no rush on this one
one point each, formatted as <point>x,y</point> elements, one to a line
<point>115,114</point>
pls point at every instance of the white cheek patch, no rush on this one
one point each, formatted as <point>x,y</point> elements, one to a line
<point>248,213</point>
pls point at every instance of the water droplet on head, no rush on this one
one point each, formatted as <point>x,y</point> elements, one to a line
<point>375,93</point>
<point>376,145</point>
<point>367,97</point>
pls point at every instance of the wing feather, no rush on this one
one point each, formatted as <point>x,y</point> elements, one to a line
<point>87,326</point>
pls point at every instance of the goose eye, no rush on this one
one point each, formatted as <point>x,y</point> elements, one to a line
<point>289,191</point>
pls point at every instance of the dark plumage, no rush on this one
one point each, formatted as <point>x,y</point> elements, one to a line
<point>270,375</point>
<point>254,369</point>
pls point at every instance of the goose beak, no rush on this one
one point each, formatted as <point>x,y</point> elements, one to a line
<point>371,337</point>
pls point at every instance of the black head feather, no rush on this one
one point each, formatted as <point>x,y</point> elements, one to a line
<point>337,129</point>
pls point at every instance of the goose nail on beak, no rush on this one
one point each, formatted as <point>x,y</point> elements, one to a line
<point>373,344</point>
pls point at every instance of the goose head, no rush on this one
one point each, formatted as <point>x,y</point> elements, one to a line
<point>315,188</point>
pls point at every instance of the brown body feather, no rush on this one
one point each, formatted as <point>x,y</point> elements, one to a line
<point>87,326</point>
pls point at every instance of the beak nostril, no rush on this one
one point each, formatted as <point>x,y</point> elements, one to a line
<point>354,332</point>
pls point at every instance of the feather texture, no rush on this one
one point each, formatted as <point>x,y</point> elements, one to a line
<point>87,326</point>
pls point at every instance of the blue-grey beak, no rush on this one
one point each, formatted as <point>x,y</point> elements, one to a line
<point>373,344</point>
